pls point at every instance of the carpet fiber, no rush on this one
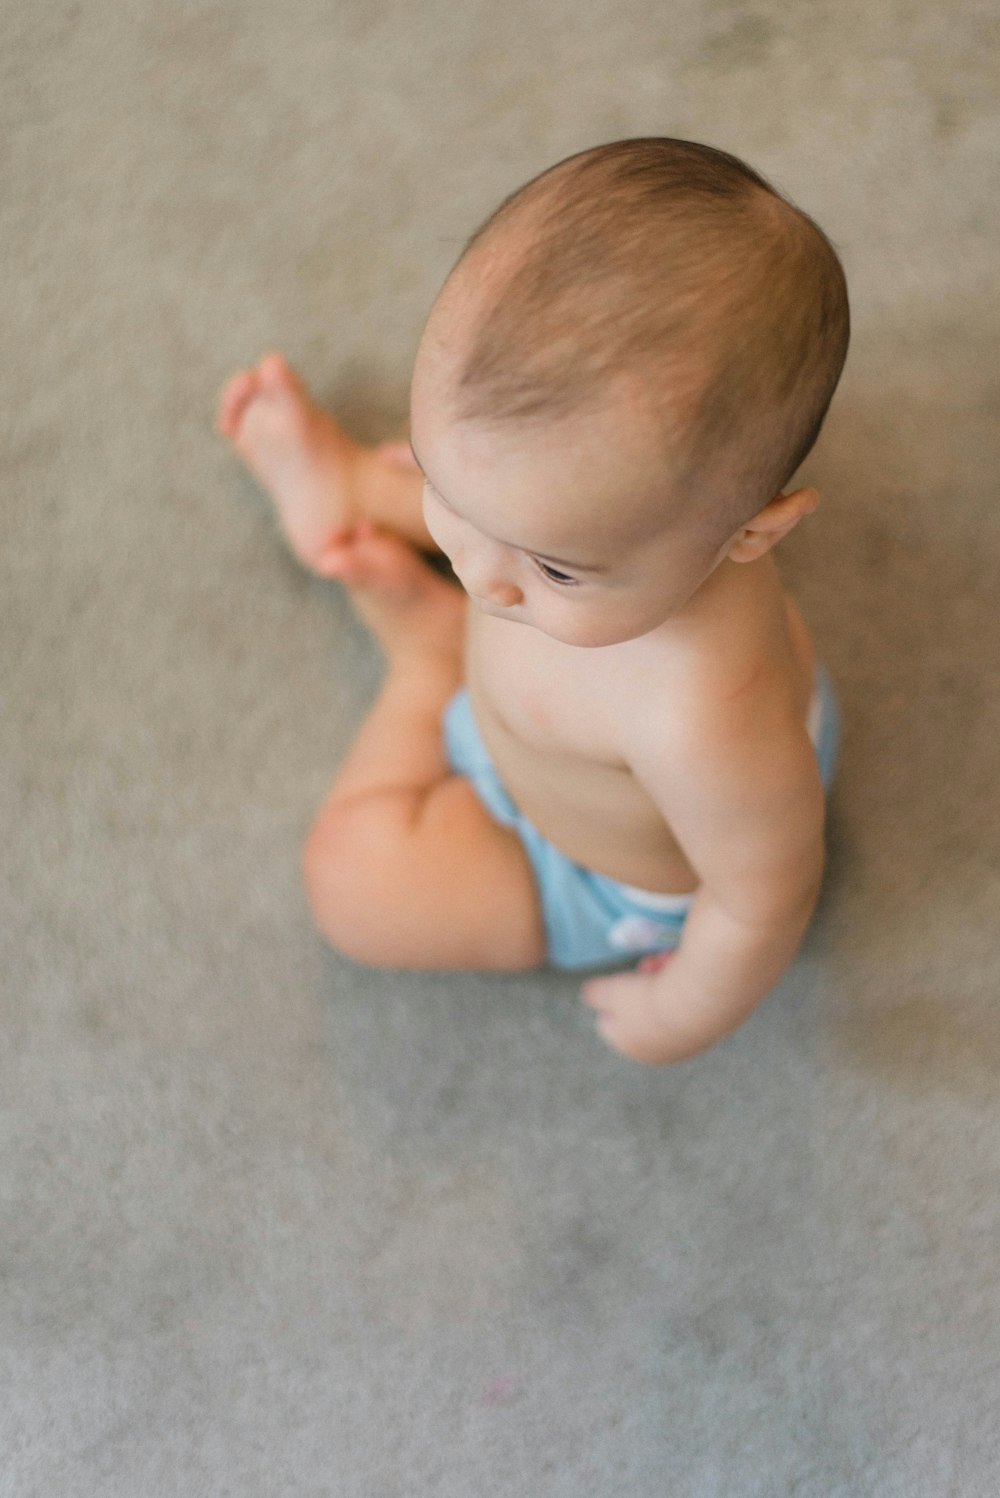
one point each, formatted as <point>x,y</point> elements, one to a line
<point>276,1224</point>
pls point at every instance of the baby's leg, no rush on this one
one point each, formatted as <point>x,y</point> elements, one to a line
<point>321,481</point>
<point>403,866</point>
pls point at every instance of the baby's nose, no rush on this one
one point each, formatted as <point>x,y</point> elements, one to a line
<point>503,595</point>
<point>485,581</point>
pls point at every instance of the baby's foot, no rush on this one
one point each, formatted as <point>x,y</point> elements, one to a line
<point>296,451</point>
<point>409,608</point>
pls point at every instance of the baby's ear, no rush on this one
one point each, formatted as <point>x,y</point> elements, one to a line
<point>769,525</point>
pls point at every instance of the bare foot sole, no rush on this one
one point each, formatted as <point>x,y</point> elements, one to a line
<point>297,452</point>
<point>409,608</point>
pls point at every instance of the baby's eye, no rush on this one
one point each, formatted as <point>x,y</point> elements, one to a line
<point>554,576</point>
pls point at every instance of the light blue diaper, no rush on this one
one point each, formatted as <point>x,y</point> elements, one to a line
<point>589,919</point>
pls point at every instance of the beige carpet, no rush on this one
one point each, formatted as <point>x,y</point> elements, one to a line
<point>272,1224</point>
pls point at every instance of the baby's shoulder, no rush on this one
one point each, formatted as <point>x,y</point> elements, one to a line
<point>689,696</point>
<point>714,697</point>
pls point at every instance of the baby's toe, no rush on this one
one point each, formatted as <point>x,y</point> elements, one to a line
<point>366,556</point>
<point>386,558</point>
<point>277,377</point>
<point>238,390</point>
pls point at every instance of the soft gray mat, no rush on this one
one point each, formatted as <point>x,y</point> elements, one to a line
<point>273,1224</point>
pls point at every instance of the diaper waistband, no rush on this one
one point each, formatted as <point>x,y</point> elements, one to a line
<point>669,904</point>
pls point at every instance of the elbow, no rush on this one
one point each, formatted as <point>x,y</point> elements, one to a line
<point>786,898</point>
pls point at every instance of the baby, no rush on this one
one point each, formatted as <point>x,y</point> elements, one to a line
<point>614,744</point>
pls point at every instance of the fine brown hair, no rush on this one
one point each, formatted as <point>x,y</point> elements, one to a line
<point>678,264</point>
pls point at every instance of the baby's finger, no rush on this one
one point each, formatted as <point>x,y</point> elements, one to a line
<point>595,994</point>
<point>654,962</point>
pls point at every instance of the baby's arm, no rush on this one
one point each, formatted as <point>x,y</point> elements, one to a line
<point>745,802</point>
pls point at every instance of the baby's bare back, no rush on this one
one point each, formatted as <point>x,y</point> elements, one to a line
<point>562,722</point>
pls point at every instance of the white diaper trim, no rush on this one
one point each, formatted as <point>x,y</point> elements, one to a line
<point>672,904</point>
<point>635,931</point>
<point>814,720</point>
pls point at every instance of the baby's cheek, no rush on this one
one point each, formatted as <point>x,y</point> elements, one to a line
<point>582,625</point>
<point>436,521</point>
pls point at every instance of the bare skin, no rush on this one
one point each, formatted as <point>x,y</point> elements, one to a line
<point>402,852</point>
<point>398,832</point>
<point>321,481</point>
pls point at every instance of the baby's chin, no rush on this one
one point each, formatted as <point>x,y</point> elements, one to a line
<point>603,639</point>
<point>597,638</point>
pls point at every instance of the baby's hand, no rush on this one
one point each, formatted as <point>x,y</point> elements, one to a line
<point>628,1012</point>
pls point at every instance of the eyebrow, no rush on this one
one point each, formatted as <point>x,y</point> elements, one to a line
<point>555,561</point>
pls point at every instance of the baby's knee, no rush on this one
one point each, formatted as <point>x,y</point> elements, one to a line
<point>338,880</point>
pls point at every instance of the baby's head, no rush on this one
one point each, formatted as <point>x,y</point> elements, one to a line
<point>626,366</point>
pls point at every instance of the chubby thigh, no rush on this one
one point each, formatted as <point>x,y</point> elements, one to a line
<point>436,884</point>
